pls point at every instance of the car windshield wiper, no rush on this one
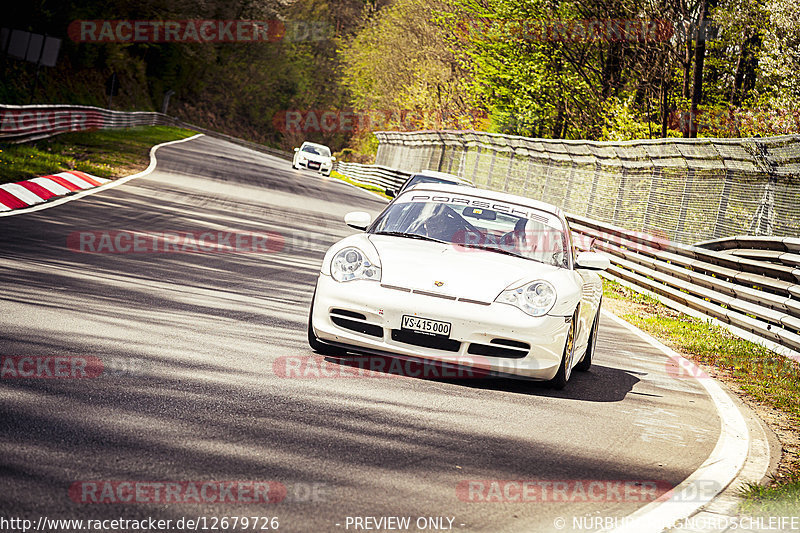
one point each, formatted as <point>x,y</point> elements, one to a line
<point>489,248</point>
<point>499,251</point>
<point>409,236</point>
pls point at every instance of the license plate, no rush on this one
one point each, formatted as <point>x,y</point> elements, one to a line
<point>313,165</point>
<point>426,326</point>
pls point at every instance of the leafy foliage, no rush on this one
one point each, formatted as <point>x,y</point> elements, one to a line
<point>605,69</point>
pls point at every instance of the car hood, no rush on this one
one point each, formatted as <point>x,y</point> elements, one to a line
<point>462,272</point>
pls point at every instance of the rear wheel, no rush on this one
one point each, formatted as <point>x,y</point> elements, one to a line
<point>317,345</point>
<point>586,362</point>
<point>565,370</point>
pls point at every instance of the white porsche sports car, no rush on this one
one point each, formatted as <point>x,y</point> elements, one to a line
<point>465,276</point>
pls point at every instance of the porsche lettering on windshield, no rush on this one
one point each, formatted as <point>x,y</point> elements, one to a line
<point>546,218</point>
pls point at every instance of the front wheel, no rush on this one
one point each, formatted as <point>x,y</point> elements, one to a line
<point>565,370</point>
<point>586,362</point>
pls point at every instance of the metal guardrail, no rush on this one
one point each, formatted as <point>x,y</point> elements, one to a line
<point>379,176</point>
<point>716,279</point>
<point>687,190</point>
<point>756,296</point>
<point>19,124</point>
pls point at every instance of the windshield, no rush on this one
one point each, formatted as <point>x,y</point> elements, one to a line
<point>317,150</point>
<point>420,178</point>
<point>466,223</point>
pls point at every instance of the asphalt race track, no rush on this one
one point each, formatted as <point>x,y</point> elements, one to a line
<point>193,345</point>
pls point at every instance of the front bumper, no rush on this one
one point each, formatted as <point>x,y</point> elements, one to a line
<point>474,326</point>
<point>324,168</point>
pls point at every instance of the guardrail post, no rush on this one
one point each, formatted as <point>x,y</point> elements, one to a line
<point>764,218</point>
<point>548,173</point>
<point>655,186</point>
<point>430,157</point>
<point>623,181</point>
<point>593,192</point>
<point>462,162</point>
<point>722,209</point>
<point>687,188</point>
<point>442,147</point>
<point>450,162</point>
<point>509,170</point>
<point>570,181</point>
<point>477,164</point>
<point>491,168</point>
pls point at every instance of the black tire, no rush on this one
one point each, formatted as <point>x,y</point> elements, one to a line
<point>565,370</point>
<point>317,345</point>
<point>586,362</point>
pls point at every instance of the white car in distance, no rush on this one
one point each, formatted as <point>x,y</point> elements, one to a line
<point>461,276</point>
<point>313,156</point>
<point>429,176</point>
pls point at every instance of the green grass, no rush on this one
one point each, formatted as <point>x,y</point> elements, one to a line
<point>781,498</point>
<point>104,153</point>
<point>766,377</point>
<point>372,188</point>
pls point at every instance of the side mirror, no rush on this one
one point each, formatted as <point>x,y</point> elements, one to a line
<point>391,193</point>
<point>297,149</point>
<point>592,261</point>
<point>358,220</point>
<point>333,158</point>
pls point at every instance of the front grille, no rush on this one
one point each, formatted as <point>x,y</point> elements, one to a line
<point>351,314</point>
<point>501,348</point>
<point>513,344</point>
<point>355,322</point>
<point>426,341</point>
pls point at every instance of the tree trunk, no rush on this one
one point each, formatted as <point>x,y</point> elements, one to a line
<point>664,103</point>
<point>558,126</point>
<point>612,69</point>
<point>745,66</point>
<point>687,64</point>
<point>699,60</point>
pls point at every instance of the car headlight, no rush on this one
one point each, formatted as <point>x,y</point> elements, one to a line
<point>535,299</point>
<point>351,264</point>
